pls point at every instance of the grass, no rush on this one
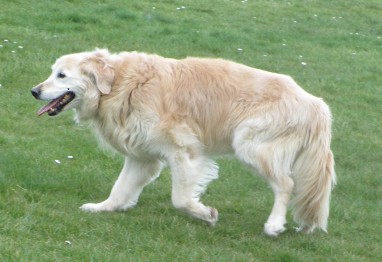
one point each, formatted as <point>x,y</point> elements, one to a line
<point>341,46</point>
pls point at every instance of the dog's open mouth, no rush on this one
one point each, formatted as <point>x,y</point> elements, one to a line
<point>56,105</point>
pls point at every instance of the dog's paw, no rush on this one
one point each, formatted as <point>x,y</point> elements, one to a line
<point>213,218</point>
<point>306,229</point>
<point>273,229</point>
<point>92,207</point>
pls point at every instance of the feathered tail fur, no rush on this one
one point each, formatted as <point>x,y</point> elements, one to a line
<point>314,176</point>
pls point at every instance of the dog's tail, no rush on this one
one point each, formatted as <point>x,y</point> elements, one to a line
<point>314,175</point>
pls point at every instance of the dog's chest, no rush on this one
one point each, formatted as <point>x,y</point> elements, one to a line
<point>129,137</point>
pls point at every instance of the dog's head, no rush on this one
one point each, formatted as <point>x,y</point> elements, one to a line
<point>77,81</point>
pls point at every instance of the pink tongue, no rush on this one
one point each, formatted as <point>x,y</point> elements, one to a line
<point>51,104</point>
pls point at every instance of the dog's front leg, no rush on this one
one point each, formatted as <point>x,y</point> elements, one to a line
<point>129,185</point>
<point>190,175</point>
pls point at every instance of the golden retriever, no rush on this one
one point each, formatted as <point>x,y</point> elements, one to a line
<point>157,110</point>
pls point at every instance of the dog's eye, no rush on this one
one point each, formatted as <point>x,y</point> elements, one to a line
<point>61,75</point>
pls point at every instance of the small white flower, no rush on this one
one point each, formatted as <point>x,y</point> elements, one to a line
<point>6,40</point>
<point>20,47</point>
<point>70,157</point>
<point>13,51</point>
<point>240,49</point>
<point>68,242</point>
<point>303,63</point>
<point>57,161</point>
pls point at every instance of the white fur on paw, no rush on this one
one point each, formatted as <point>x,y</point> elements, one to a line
<point>306,229</point>
<point>273,230</point>
<point>91,207</point>
<point>214,214</point>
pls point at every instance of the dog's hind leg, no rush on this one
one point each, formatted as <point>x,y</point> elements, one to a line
<point>282,189</point>
<point>190,176</point>
<point>129,185</point>
<point>277,174</point>
<point>273,159</point>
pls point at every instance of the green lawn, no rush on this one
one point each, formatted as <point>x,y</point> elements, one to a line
<point>331,48</point>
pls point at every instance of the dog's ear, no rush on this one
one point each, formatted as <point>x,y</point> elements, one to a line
<point>100,71</point>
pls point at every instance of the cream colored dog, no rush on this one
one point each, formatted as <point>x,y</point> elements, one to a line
<point>156,110</point>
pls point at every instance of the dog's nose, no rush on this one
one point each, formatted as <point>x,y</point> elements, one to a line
<point>36,92</point>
